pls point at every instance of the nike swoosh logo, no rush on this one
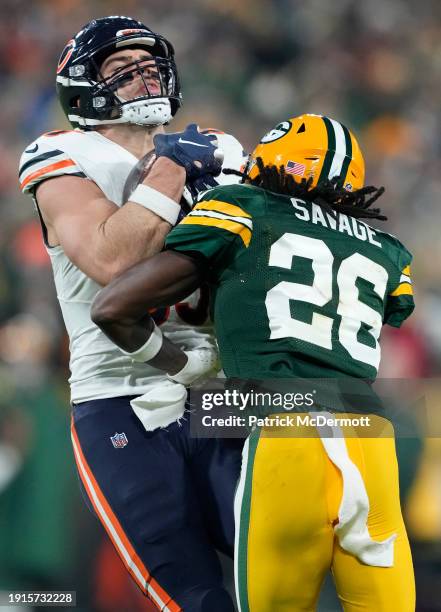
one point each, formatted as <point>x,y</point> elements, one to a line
<point>192,143</point>
<point>32,150</point>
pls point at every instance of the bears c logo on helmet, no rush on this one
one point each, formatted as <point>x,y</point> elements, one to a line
<point>65,55</point>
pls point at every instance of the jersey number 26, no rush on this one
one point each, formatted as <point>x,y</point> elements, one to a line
<point>352,311</point>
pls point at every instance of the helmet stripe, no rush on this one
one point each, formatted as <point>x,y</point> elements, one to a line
<point>339,153</point>
<point>340,149</point>
<point>67,82</point>
<point>348,158</point>
<point>327,163</point>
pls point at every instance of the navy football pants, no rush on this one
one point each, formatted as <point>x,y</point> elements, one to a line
<point>165,500</point>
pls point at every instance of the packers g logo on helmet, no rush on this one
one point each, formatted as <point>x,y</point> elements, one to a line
<point>279,131</point>
<point>312,146</point>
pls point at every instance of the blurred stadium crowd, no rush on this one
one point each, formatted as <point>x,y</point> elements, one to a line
<point>244,66</point>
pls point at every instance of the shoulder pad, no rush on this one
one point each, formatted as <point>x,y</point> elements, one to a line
<point>45,158</point>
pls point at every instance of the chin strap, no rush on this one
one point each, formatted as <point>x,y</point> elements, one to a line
<point>156,111</point>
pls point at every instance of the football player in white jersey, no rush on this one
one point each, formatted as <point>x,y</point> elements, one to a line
<point>165,499</point>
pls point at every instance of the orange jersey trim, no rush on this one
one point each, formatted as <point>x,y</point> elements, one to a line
<point>65,163</point>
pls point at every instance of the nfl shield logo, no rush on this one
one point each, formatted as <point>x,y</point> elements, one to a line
<point>119,440</point>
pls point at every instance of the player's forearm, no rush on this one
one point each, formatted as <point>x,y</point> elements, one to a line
<point>120,310</point>
<point>131,336</point>
<point>145,343</point>
<point>124,240</point>
<point>167,177</point>
<point>170,358</point>
<point>136,232</point>
<point>162,281</point>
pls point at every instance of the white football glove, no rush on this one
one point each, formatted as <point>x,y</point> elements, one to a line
<point>202,363</point>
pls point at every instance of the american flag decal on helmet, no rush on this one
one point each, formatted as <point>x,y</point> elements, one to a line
<point>293,167</point>
<point>119,440</point>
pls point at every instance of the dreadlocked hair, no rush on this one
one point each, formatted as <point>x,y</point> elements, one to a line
<point>328,195</point>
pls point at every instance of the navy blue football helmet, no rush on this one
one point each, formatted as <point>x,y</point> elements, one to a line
<point>88,99</point>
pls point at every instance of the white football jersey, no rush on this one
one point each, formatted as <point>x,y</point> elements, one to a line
<point>98,368</point>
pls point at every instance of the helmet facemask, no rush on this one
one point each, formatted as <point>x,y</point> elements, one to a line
<point>114,100</point>
<point>91,96</point>
<point>137,92</point>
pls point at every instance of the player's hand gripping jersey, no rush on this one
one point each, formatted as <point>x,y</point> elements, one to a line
<point>98,368</point>
<point>317,288</point>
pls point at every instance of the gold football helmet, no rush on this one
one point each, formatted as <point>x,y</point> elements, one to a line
<point>312,146</point>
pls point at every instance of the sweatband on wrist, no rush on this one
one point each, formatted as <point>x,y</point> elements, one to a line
<point>157,202</point>
<point>150,349</point>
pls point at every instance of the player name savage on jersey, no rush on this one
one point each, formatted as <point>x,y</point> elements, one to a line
<point>307,211</point>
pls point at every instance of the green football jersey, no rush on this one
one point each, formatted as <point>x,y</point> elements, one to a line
<point>296,292</point>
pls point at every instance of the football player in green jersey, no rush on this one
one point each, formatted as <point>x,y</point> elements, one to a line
<point>301,287</point>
